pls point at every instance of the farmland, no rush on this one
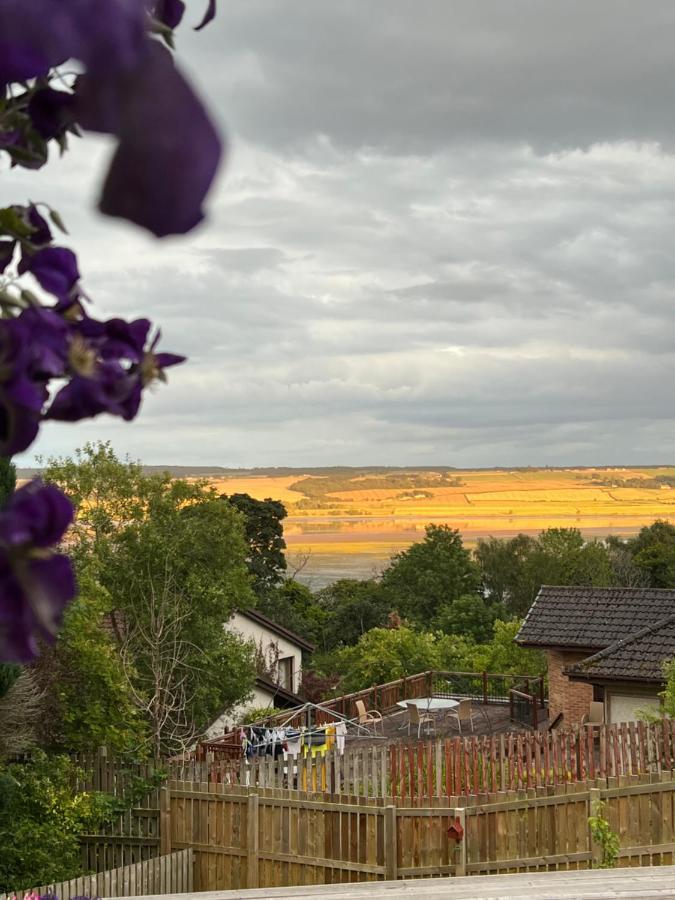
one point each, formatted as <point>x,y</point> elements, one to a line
<point>350,521</point>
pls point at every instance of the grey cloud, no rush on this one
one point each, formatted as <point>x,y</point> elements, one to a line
<point>444,236</point>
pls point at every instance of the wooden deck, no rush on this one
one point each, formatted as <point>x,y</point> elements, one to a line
<point>598,884</point>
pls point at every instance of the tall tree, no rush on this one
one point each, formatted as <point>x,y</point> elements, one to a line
<point>429,576</point>
<point>653,552</point>
<point>265,538</point>
<point>141,542</point>
<point>512,571</point>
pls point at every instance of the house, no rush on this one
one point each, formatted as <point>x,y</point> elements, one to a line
<point>279,654</point>
<point>628,675</point>
<point>593,639</point>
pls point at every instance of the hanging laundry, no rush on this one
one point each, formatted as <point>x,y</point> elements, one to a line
<point>340,733</point>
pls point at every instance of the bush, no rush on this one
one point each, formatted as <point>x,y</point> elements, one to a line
<point>41,820</point>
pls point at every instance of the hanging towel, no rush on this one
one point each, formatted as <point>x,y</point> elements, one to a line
<point>340,732</point>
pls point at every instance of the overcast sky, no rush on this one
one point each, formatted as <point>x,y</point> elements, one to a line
<point>445,234</point>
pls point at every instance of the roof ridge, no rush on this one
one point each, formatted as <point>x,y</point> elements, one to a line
<point>592,587</point>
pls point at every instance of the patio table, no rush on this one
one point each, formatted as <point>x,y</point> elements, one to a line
<point>430,704</point>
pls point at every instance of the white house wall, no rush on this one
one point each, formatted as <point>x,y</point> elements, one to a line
<point>281,646</point>
<point>260,698</point>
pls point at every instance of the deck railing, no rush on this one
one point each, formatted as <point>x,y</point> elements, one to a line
<point>485,687</point>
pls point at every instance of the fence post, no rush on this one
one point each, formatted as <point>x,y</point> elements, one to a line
<point>485,688</point>
<point>252,842</point>
<point>594,797</point>
<point>164,820</point>
<point>542,700</point>
<point>460,852</point>
<point>390,844</point>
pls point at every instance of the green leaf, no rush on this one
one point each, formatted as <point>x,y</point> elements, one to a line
<point>57,220</point>
<point>13,223</point>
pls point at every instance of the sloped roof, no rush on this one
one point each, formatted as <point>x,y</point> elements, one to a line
<point>592,618</point>
<point>281,630</point>
<point>639,657</point>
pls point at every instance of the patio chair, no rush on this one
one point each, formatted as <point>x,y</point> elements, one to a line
<point>595,715</point>
<point>463,713</point>
<point>369,717</point>
<point>415,717</point>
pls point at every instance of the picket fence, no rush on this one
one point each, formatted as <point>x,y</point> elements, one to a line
<point>170,874</point>
<point>247,838</point>
<point>413,772</point>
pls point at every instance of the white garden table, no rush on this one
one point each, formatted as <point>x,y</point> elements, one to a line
<point>430,704</point>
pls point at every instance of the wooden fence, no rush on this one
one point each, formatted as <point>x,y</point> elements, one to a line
<point>245,838</point>
<point>134,835</point>
<point>168,874</point>
<point>414,773</point>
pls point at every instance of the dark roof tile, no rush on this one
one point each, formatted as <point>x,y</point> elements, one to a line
<point>592,617</point>
<point>639,657</point>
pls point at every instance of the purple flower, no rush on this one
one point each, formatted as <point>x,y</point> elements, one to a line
<point>55,268</point>
<point>51,112</point>
<point>41,235</point>
<point>105,35</point>
<point>109,367</point>
<point>168,150</point>
<point>35,584</point>
<point>170,12</point>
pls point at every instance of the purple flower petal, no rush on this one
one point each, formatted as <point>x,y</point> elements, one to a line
<point>168,152</point>
<point>106,35</point>
<point>55,269</point>
<point>20,61</point>
<point>35,585</point>
<point>170,12</point>
<point>51,112</point>
<point>36,514</point>
<point>209,15</point>
<point>42,235</point>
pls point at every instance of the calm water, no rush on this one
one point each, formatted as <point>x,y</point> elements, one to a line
<point>323,569</point>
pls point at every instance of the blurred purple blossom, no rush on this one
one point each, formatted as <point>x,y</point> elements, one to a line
<point>35,584</point>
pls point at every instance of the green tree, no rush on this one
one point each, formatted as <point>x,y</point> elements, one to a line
<point>385,654</point>
<point>653,552</point>
<point>292,604</point>
<point>265,538</point>
<point>165,566</point>
<point>430,575</point>
<point>351,608</point>
<point>470,616</point>
<point>506,578</point>
<point>7,479</point>
<point>503,656</point>
<point>513,571</point>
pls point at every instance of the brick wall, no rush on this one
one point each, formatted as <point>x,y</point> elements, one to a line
<point>572,698</point>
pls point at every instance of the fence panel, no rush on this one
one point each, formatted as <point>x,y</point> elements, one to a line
<point>169,874</point>
<point>133,836</point>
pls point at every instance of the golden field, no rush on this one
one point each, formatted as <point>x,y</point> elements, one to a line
<point>379,512</point>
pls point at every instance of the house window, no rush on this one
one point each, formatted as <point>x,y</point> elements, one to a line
<point>599,693</point>
<point>286,672</point>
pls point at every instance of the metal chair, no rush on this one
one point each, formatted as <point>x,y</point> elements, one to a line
<point>368,717</point>
<point>415,717</point>
<point>463,713</point>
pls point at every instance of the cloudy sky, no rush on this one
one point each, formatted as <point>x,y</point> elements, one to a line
<point>445,234</point>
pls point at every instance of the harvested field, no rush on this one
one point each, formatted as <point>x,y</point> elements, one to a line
<point>377,512</point>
